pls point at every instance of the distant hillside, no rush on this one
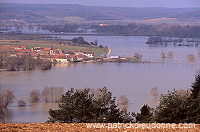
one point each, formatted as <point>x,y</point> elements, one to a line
<point>58,12</point>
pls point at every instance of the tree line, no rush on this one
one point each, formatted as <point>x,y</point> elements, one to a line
<point>149,30</point>
<point>24,62</point>
<point>67,27</point>
<point>131,29</point>
<point>158,40</point>
<point>48,94</point>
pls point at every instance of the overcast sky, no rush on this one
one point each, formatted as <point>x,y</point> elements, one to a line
<point>117,3</point>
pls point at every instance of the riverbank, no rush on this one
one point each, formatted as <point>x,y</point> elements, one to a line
<point>85,34</point>
<point>82,127</point>
<point>109,51</point>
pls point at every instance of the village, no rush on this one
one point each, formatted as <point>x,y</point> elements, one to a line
<point>51,54</point>
<point>60,56</point>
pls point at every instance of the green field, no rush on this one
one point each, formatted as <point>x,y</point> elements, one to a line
<point>56,45</point>
<point>68,19</point>
<point>40,41</point>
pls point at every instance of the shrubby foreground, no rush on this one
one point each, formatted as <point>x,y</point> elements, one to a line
<point>89,106</point>
<point>86,106</point>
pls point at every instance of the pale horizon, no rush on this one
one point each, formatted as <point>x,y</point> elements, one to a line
<point>116,3</point>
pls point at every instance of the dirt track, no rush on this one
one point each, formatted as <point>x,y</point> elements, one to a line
<point>80,127</point>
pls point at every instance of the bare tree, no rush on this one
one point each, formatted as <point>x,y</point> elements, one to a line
<point>6,98</point>
<point>58,92</point>
<point>21,103</point>
<point>138,56</point>
<point>170,54</point>
<point>191,57</point>
<point>45,94</point>
<point>52,94</point>
<point>183,92</point>
<point>162,54</point>
<point>34,96</point>
<point>123,102</point>
<point>154,92</point>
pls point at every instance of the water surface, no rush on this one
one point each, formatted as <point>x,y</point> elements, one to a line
<point>134,80</point>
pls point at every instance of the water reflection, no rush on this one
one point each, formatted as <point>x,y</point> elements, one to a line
<point>2,115</point>
<point>35,112</point>
<point>6,115</point>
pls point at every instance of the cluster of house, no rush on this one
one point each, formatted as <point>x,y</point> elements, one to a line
<point>47,53</point>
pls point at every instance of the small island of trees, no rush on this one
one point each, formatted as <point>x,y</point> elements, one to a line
<point>164,41</point>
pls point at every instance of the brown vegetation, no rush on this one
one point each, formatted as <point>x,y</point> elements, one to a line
<point>6,98</point>
<point>79,127</point>
<point>34,96</point>
<point>52,94</point>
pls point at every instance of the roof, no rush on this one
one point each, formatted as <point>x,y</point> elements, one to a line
<point>59,49</point>
<point>53,56</point>
<point>23,47</point>
<point>69,52</point>
<point>72,56</point>
<point>62,54</point>
<point>61,57</point>
<point>47,49</point>
<point>15,46</point>
<point>24,50</point>
<point>6,48</point>
<point>20,54</point>
<point>34,54</point>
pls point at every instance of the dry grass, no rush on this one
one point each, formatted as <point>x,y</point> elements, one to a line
<point>80,127</point>
<point>160,20</point>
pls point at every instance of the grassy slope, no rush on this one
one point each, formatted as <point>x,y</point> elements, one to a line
<point>69,12</point>
<point>55,44</point>
<point>41,41</point>
<point>68,19</point>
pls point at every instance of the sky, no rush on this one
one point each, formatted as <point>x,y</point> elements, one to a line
<point>117,3</point>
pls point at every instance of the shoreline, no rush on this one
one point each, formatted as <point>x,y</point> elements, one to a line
<point>81,34</point>
<point>109,51</point>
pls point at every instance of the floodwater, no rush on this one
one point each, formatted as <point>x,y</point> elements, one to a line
<point>129,45</point>
<point>134,80</point>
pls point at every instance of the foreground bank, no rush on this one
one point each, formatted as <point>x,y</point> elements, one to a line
<point>83,127</point>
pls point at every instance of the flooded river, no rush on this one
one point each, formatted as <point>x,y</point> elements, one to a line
<point>134,80</point>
